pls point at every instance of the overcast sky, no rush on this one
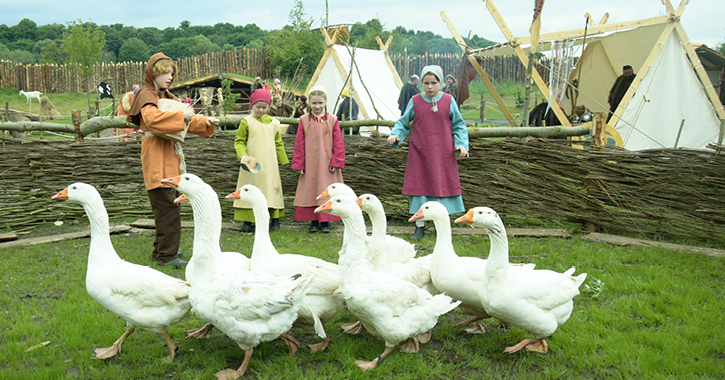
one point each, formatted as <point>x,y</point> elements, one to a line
<point>702,20</point>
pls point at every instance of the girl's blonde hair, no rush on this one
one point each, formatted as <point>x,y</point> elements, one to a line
<point>309,115</point>
<point>162,65</point>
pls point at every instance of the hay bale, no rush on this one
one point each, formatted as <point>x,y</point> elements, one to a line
<point>47,110</point>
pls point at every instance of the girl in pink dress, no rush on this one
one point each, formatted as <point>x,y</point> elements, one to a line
<point>319,155</point>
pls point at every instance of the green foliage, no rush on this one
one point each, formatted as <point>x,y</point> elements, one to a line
<point>720,47</point>
<point>295,41</point>
<point>134,50</point>
<point>230,98</point>
<point>17,56</point>
<point>83,45</point>
<point>188,46</point>
<point>53,53</point>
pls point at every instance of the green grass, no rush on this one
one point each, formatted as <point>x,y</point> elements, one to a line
<point>645,312</point>
<point>511,93</point>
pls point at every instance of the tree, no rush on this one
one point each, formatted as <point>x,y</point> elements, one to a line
<point>25,29</point>
<point>295,40</point>
<point>53,53</point>
<point>230,98</point>
<point>720,47</point>
<point>134,50</point>
<point>84,44</point>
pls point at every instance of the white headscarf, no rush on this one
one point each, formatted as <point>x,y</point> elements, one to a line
<point>433,69</point>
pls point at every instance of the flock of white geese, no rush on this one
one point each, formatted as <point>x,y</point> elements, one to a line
<point>384,285</point>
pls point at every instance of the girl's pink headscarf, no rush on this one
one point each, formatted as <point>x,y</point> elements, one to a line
<point>260,95</point>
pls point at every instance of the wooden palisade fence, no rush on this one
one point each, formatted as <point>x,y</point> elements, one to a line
<point>51,78</point>
<point>670,193</point>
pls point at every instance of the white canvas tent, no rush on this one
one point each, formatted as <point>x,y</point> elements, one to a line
<point>374,81</point>
<point>671,84</point>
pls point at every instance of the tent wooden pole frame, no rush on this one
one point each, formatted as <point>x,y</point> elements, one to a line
<point>700,71</point>
<point>384,48</point>
<point>479,69</point>
<point>328,48</point>
<point>641,73</point>
<point>523,57</point>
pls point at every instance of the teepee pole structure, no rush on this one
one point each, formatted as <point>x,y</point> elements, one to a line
<point>516,42</point>
<point>479,69</point>
<point>384,48</point>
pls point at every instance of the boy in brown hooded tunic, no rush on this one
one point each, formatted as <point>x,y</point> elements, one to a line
<point>158,157</point>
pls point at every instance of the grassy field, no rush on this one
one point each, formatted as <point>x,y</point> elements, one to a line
<point>644,312</point>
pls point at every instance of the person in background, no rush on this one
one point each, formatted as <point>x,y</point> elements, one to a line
<point>256,84</point>
<point>266,86</point>
<point>619,88</point>
<point>301,109</point>
<point>259,136</point>
<point>409,89</point>
<point>348,109</point>
<point>319,155</point>
<point>437,130</point>
<point>124,107</point>
<point>451,86</point>
<point>159,157</point>
<point>280,109</point>
<point>277,88</point>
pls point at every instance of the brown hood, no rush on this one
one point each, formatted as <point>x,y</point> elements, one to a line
<point>148,94</point>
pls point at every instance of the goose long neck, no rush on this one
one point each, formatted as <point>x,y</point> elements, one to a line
<point>380,225</point>
<point>354,256</point>
<point>262,241</point>
<point>100,232</point>
<point>443,237</point>
<point>207,222</point>
<point>498,257</point>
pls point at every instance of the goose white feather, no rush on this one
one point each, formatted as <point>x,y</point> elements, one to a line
<point>391,309</point>
<point>249,307</point>
<point>324,298</point>
<point>459,277</point>
<point>391,254</point>
<point>538,301</point>
<point>142,296</point>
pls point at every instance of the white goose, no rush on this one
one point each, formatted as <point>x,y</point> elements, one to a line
<point>538,301</point>
<point>323,298</point>
<point>390,308</point>
<point>391,254</point>
<point>249,307</point>
<point>399,250</point>
<point>142,296</point>
<point>459,277</point>
<point>230,259</point>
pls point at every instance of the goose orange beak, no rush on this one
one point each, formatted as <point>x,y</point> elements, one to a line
<point>417,216</point>
<point>466,219</point>
<point>181,199</point>
<point>359,202</point>
<point>326,207</point>
<point>234,195</point>
<point>61,196</point>
<point>325,195</point>
<point>173,182</point>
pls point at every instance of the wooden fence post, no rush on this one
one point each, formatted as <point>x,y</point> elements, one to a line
<point>483,109</point>
<point>76,114</point>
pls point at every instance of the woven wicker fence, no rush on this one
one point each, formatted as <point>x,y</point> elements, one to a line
<point>658,194</point>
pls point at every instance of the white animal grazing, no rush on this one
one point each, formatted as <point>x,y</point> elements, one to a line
<point>324,297</point>
<point>538,301</point>
<point>459,277</point>
<point>391,309</point>
<point>31,95</point>
<point>249,307</point>
<point>231,260</point>
<point>142,296</point>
